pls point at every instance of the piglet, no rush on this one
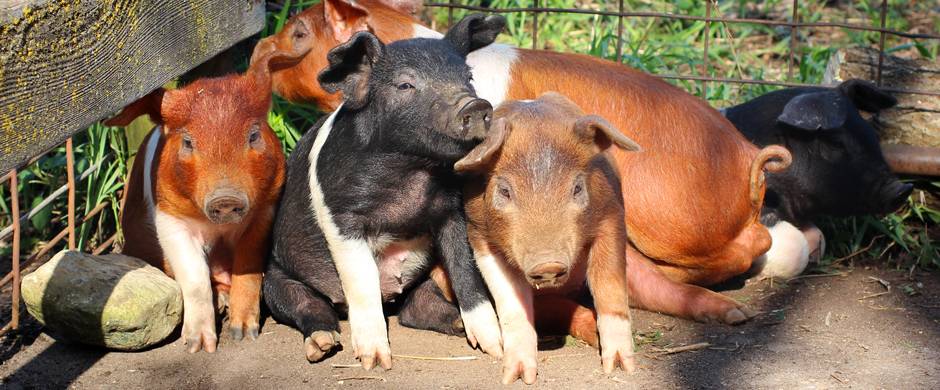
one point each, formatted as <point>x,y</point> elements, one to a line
<point>202,193</point>
<point>544,214</point>
<point>838,167</point>
<point>372,202</point>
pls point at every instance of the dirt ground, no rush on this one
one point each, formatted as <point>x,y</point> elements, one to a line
<point>813,333</point>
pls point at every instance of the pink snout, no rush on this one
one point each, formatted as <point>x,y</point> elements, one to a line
<point>226,206</point>
<point>547,274</point>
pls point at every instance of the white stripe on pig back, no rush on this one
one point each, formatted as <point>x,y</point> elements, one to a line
<point>151,151</point>
<point>354,262</point>
<point>490,65</point>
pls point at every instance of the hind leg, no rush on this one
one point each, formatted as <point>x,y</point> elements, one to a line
<point>296,304</point>
<point>427,308</point>
<point>652,290</point>
<point>733,259</point>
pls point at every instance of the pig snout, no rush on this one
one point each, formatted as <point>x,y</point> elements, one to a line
<point>895,194</point>
<point>474,119</point>
<point>547,273</point>
<point>226,206</point>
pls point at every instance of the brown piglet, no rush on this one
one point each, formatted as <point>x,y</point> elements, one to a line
<point>202,193</point>
<point>544,214</point>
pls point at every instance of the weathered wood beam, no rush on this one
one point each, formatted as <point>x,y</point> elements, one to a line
<point>66,64</point>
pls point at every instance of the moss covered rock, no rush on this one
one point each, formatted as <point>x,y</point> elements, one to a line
<point>113,301</point>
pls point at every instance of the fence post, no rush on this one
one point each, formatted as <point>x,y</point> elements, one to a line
<point>535,27</point>
<point>881,46</point>
<point>15,200</point>
<point>708,14</point>
<point>796,7</point>
<point>619,30</point>
<point>70,164</point>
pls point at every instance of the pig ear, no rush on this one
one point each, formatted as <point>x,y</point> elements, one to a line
<point>277,60</point>
<point>475,31</point>
<point>148,105</point>
<point>407,6</point>
<point>815,111</point>
<point>350,66</point>
<point>866,96</point>
<point>481,155</point>
<point>346,18</point>
<point>603,134</point>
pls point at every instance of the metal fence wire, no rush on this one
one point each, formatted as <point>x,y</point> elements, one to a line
<point>536,10</point>
<point>793,24</point>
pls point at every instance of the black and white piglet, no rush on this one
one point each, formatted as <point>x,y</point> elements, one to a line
<point>371,197</point>
<point>838,168</point>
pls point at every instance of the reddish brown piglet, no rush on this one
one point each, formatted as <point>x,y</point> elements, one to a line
<point>202,193</point>
<point>544,215</point>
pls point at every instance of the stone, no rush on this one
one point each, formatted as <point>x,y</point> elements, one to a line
<point>113,301</point>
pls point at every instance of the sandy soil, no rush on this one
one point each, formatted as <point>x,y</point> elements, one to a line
<point>813,333</point>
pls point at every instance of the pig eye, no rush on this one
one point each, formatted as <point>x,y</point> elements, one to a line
<point>504,192</point>
<point>187,142</point>
<point>404,86</point>
<point>578,188</point>
<point>254,137</point>
<point>299,34</point>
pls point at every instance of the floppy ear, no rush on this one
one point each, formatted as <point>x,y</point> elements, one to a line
<point>275,61</point>
<point>148,105</point>
<point>866,96</point>
<point>350,67</point>
<point>481,155</point>
<point>815,111</point>
<point>345,18</point>
<point>474,32</point>
<point>600,132</point>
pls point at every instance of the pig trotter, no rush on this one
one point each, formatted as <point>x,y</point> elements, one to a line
<point>204,339</point>
<point>521,368</point>
<point>238,332</point>
<point>319,344</point>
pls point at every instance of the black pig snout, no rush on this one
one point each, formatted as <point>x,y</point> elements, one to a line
<point>896,194</point>
<point>474,119</point>
<point>226,206</point>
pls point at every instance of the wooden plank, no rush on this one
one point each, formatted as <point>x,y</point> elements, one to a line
<point>66,64</point>
<point>915,121</point>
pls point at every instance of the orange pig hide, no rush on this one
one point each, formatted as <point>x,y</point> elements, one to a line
<point>202,192</point>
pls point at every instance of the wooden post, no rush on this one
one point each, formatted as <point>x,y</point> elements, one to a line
<point>67,64</point>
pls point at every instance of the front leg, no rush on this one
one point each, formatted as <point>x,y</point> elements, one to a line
<point>248,264</point>
<point>608,284</point>
<point>190,268</point>
<point>476,311</point>
<point>359,275</point>
<point>513,296</point>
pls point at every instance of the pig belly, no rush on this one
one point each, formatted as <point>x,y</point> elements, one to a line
<point>400,263</point>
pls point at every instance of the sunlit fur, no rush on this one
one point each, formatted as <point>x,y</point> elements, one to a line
<point>232,150</point>
<point>688,199</point>
<point>549,195</point>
